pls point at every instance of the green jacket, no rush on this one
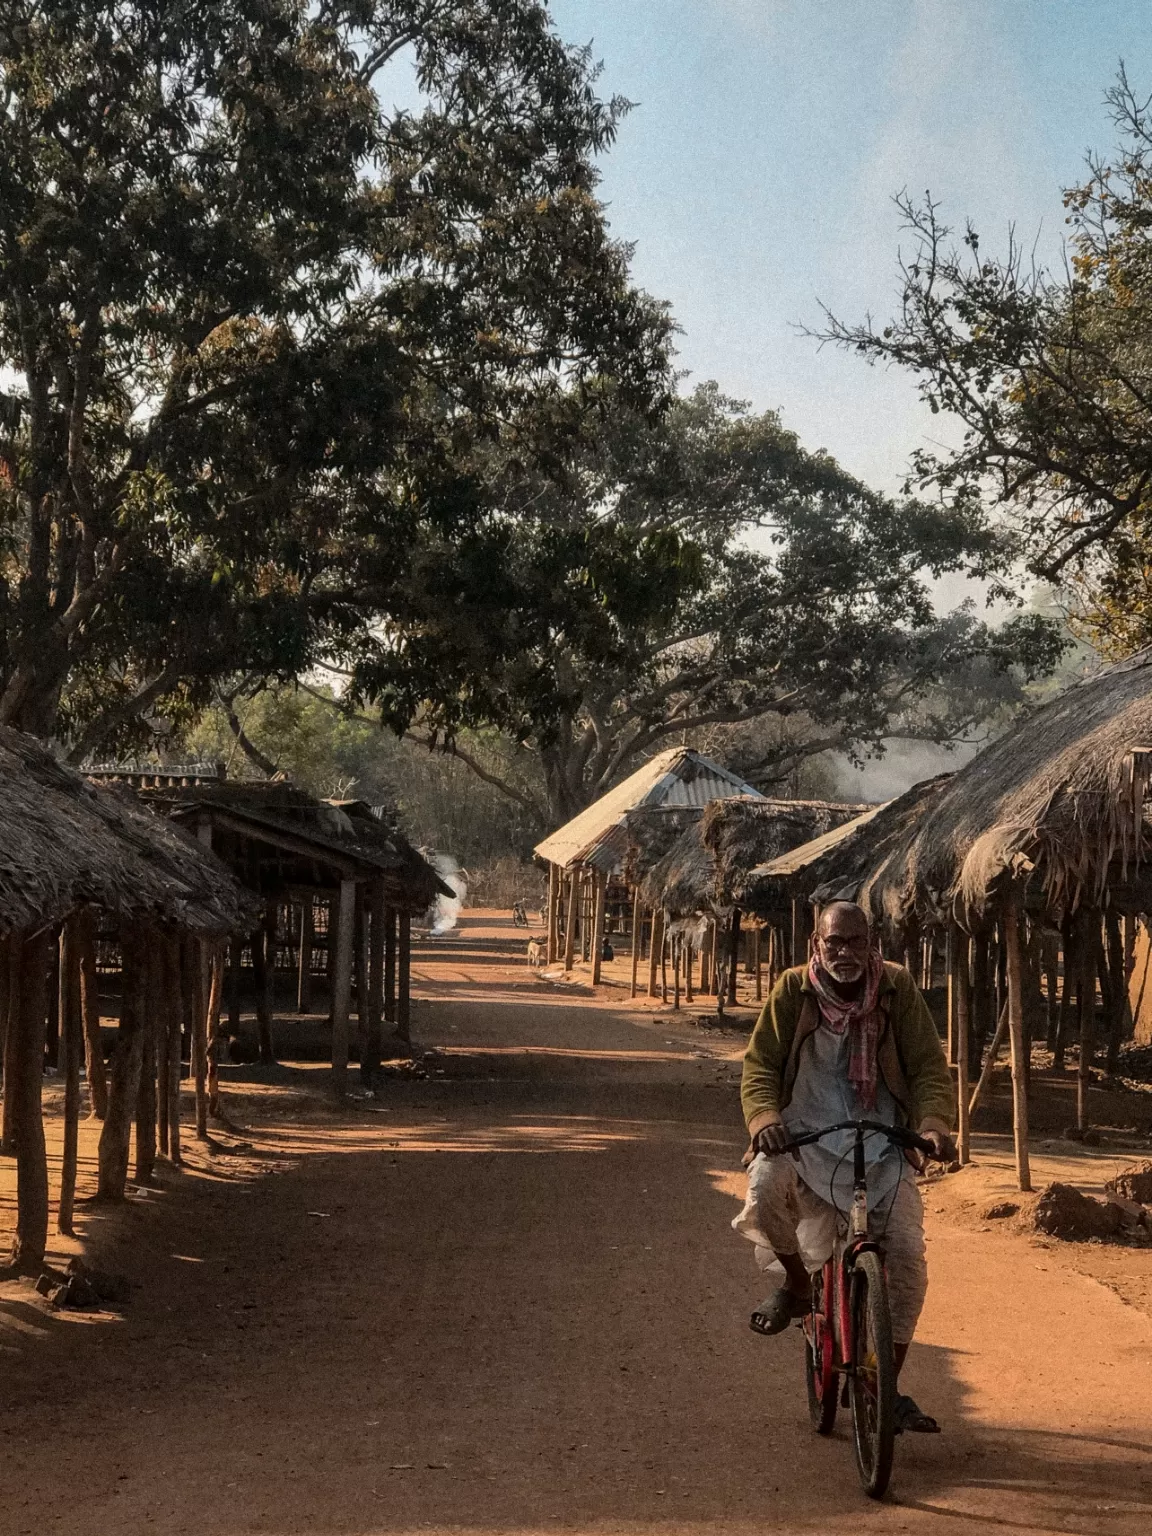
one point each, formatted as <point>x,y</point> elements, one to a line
<point>910,1057</point>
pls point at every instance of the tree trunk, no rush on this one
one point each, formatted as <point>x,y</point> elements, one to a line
<point>124,1077</point>
<point>25,1089</point>
<point>90,1004</point>
<point>72,1039</point>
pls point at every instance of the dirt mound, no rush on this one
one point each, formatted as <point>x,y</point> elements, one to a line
<point>1133,1184</point>
<point>1062,1211</point>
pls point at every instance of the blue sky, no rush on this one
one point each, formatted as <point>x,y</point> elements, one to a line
<point>756,173</point>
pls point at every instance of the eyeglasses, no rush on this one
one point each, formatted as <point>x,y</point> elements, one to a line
<point>836,941</point>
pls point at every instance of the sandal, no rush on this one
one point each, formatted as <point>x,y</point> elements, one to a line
<point>781,1308</point>
<point>913,1420</point>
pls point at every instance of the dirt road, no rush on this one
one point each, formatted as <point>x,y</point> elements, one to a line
<point>510,1302</point>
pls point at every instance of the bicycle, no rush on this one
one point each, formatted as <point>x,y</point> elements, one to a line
<point>848,1329</point>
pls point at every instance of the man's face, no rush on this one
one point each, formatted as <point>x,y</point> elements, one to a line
<point>842,944</point>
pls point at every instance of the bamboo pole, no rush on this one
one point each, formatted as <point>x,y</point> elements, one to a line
<point>959,990</point>
<point>655,949</point>
<point>637,934</point>
<point>374,1029</point>
<point>90,1009</point>
<point>201,985</point>
<point>677,953</point>
<point>169,949</point>
<point>1010,927</point>
<point>733,956</point>
<point>72,1039</point>
<point>304,957</point>
<point>664,943</point>
<point>24,1086</point>
<point>599,897</point>
<point>570,919</point>
<point>758,964</point>
<point>342,984</point>
<point>149,999</point>
<point>553,913</point>
<point>215,1004</point>
<point>404,980</point>
<point>688,997</point>
<point>990,1059</point>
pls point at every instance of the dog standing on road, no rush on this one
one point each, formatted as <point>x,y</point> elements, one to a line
<point>537,950</point>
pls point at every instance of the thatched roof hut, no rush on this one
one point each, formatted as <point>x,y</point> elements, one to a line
<point>709,867</point>
<point>1057,801</point>
<point>68,843</point>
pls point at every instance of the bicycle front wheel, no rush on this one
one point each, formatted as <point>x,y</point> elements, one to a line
<point>873,1376</point>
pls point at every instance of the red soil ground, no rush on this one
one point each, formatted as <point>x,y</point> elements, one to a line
<point>506,1299</point>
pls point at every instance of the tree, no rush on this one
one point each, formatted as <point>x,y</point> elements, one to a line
<point>248,306</point>
<point>698,570</point>
<point>1050,375</point>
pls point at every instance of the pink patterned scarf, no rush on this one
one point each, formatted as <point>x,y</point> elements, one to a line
<point>861,1017</point>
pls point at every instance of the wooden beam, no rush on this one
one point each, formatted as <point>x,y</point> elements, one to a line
<point>404,979</point>
<point>342,984</point>
<point>1010,925</point>
<point>598,894</point>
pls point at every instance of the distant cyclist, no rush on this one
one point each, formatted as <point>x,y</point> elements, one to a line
<point>846,1036</point>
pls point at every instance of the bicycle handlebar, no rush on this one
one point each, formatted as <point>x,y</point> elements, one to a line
<point>895,1133</point>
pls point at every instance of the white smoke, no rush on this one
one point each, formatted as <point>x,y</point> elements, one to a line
<point>444,913</point>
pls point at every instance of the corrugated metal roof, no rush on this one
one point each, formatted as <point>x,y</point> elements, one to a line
<point>678,777</point>
<point>798,859</point>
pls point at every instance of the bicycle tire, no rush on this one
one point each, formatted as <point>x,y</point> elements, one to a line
<point>820,1375</point>
<point>873,1379</point>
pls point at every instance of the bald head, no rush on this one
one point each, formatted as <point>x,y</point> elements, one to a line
<point>843,937</point>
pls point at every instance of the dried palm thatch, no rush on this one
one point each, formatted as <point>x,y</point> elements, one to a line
<point>742,833</point>
<point>67,843</point>
<point>1057,802</point>
<point>683,881</point>
<point>650,833</point>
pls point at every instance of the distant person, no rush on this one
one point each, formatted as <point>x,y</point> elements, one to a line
<point>847,1036</point>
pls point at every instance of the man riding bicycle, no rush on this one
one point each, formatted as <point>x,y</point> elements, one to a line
<point>847,1036</point>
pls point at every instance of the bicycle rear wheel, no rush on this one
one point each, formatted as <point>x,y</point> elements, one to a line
<point>873,1379</point>
<point>819,1349</point>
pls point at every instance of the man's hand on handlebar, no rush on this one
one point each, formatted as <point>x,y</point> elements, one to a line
<point>945,1147</point>
<point>771,1139</point>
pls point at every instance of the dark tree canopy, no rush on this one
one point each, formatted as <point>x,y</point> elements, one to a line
<point>248,311</point>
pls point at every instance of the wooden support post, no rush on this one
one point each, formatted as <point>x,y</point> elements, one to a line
<point>655,949</point>
<point>687,944</point>
<point>959,990</point>
<point>158,1007</point>
<point>72,1039</point>
<point>570,919</point>
<point>215,1003</point>
<point>235,977</point>
<point>24,1086</point>
<point>637,935</point>
<point>124,1077</point>
<point>342,984</point>
<point>174,1023</point>
<point>374,1025</point>
<point>1089,966</point>
<point>664,942</point>
<point>599,893</point>
<point>757,964</point>
<point>360,972</point>
<point>1010,928</point>
<point>202,981</point>
<point>553,913</point>
<point>404,980</point>
<point>797,932</point>
<point>677,953</point>
<point>304,957</point>
<point>586,904</point>
<point>733,955</point>
<point>94,1068</point>
<point>146,1086</point>
<point>391,922</point>
<point>12,1041</point>
<point>950,939</point>
<point>264,944</point>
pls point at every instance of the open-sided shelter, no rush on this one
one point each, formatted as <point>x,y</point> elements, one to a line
<point>315,858</point>
<point>72,855</point>
<point>596,848</point>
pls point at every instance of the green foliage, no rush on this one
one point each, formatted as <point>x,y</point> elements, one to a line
<point>252,312</point>
<point>1051,377</point>
<point>678,574</point>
